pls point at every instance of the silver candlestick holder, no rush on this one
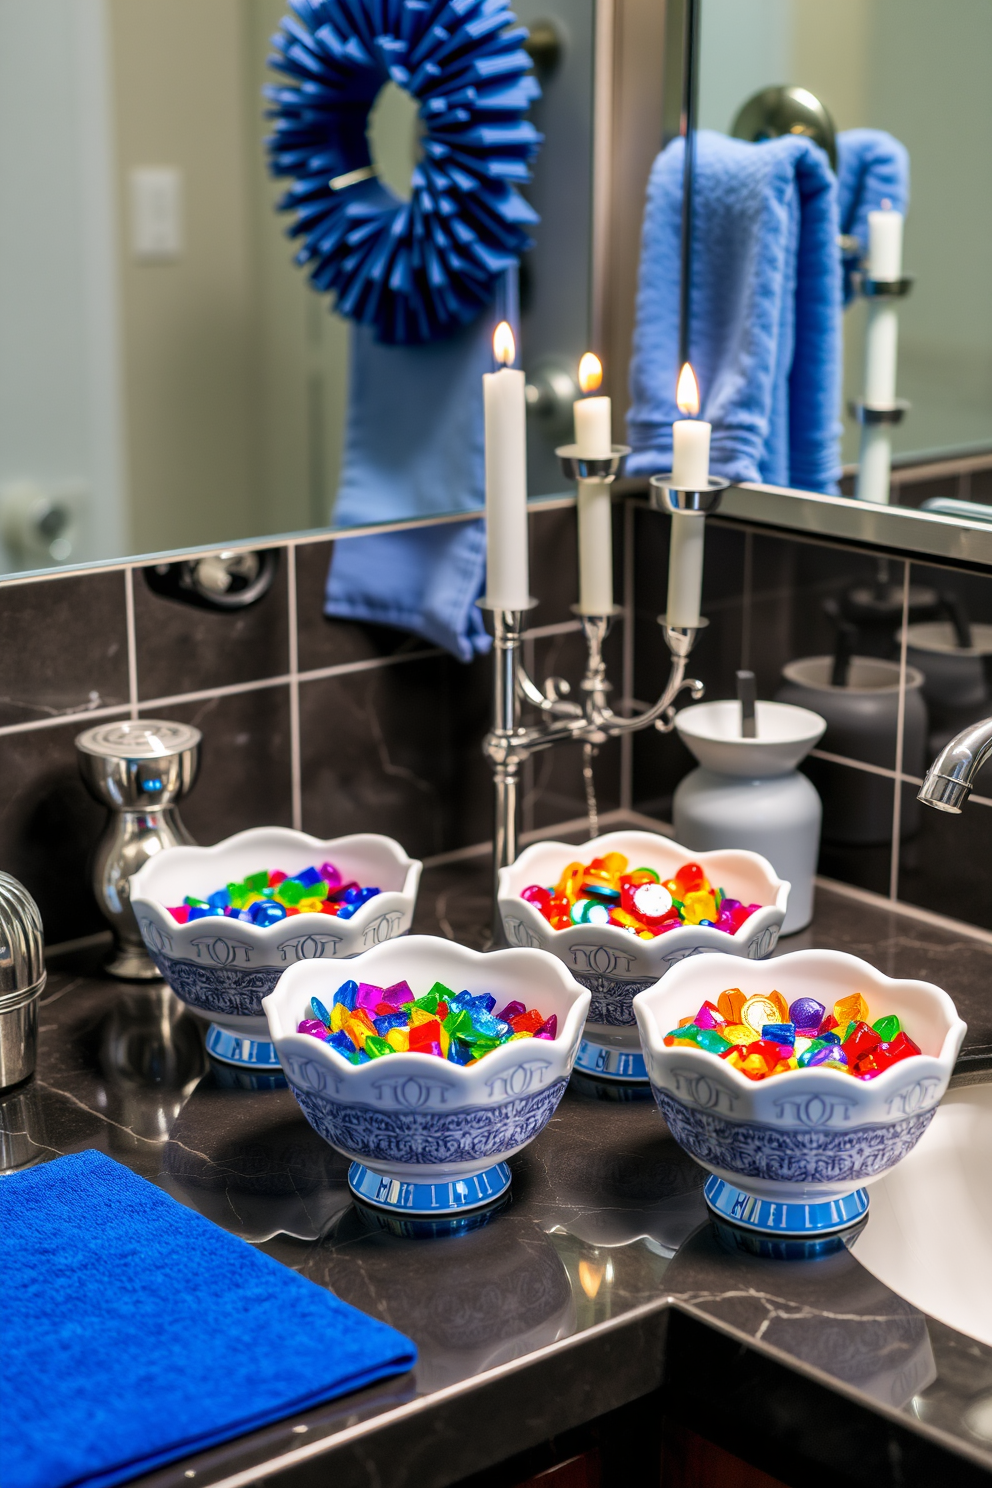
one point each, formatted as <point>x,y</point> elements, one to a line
<point>592,721</point>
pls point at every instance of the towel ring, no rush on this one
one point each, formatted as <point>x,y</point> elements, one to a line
<point>415,271</point>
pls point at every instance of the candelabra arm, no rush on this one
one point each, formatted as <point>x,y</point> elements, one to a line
<point>552,699</point>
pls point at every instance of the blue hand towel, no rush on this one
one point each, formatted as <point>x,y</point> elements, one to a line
<point>872,167</point>
<point>136,1332</point>
<point>765,322</point>
<point>415,447</point>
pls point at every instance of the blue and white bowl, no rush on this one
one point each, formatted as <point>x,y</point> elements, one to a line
<point>223,968</point>
<point>425,1136</point>
<point>615,965</point>
<point>794,1154</point>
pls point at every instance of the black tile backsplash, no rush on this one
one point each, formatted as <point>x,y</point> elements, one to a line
<point>182,647</point>
<point>63,645</point>
<point>391,740</point>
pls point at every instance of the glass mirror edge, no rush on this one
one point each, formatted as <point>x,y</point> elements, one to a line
<point>301,537</point>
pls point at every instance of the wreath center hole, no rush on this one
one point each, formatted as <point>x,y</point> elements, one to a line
<point>394,131</point>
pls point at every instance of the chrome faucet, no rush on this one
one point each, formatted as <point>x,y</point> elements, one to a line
<point>952,774</point>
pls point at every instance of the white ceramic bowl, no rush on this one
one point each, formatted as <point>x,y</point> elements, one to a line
<point>811,1136</point>
<point>785,735</point>
<point>223,967</point>
<point>615,965</point>
<point>416,1122</point>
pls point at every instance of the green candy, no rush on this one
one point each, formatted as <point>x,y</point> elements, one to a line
<point>711,1041</point>
<point>290,891</point>
<point>459,1024</point>
<point>887,1028</point>
<point>690,1031</point>
<point>256,882</point>
<point>376,1047</point>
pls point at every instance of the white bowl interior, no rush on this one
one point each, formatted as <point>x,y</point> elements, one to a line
<point>785,735</point>
<point>742,875</point>
<point>927,1013</point>
<point>199,871</point>
<point>532,977</point>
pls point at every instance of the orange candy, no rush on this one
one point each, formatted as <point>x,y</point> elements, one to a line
<point>690,877</point>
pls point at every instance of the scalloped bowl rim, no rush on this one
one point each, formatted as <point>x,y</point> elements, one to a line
<point>613,935</point>
<point>645,1010</point>
<point>363,1076</point>
<point>266,935</point>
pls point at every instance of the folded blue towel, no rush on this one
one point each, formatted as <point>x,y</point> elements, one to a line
<point>415,447</point>
<point>872,167</point>
<point>765,322</point>
<point>136,1332</point>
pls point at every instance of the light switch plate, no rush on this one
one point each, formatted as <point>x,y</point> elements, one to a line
<point>156,213</point>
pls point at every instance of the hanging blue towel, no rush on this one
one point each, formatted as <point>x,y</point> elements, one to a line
<point>765,322</point>
<point>872,167</point>
<point>415,447</point>
<point>136,1332</point>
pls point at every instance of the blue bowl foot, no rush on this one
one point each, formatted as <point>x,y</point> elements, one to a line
<point>233,1048</point>
<point>429,1209</point>
<point>783,1231</point>
<point>624,1066</point>
<point>593,1088</point>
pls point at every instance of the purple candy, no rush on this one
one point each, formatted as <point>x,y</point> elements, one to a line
<point>806,1012</point>
<point>397,994</point>
<point>314,1027</point>
<point>726,905</point>
<point>512,1010</point>
<point>549,1028</point>
<point>330,874</point>
<point>369,996</point>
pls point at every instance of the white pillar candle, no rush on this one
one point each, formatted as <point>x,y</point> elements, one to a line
<point>691,454</point>
<point>593,418</point>
<point>885,244</point>
<point>507,578</point>
<point>685,568</point>
<point>881,355</point>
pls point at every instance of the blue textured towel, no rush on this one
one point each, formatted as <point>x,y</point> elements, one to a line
<point>415,447</point>
<point>136,1332</point>
<point>765,323</point>
<point>872,167</point>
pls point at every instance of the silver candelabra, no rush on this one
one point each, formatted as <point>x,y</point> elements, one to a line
<point>592,722</point>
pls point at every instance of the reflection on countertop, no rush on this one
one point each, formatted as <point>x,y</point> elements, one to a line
<point>606,1229</point>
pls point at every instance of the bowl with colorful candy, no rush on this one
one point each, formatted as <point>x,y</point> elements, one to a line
<point>428,1064</point>
<point>796,1082</point>
<point>622,909</point>
<point>223,923</point>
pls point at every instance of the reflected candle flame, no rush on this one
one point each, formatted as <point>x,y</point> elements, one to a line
<point>504,347</point>
<point>687,392</point>
<point>590,372</point>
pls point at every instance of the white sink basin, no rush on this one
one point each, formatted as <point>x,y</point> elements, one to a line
<point>929,1231</point>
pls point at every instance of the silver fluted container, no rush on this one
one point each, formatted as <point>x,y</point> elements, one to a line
<point>139,769</point>
<point>22,978</point>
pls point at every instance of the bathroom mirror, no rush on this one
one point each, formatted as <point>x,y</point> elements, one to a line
<point>169,380</point>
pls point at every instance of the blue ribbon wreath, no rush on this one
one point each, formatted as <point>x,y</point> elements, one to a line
<point>414,271</point>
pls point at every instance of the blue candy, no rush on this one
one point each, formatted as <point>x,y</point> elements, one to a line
<point>487,1025</point>
<point>780,1033</point>
<point>203,912</point>
<point>459,1053</point>
<point>319,1011</point>
<point>388,1021</point>
<point>220,900</point>
<point>266,912</point>
<point>346,994</point>
<point>309,876</point>
<point>343,1044</point>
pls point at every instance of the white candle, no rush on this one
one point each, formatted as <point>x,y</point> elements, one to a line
<point>881,354</point>
<point>691,471</point>
<point>885,244</point>
<point>594,440</point>
<point>685,568</point>
<point>507,579</point>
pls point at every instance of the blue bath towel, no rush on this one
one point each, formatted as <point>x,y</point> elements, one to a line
<point>415,447</point>
<point>765,323</point>
<point>872,167</point>
<point>135,1332</point>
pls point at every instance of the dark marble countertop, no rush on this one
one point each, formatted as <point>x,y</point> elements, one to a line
<point>602,1284</point>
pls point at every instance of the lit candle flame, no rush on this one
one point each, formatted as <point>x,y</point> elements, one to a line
<point>687,392</point>
<point>590,372</point>
<point>504,348</point>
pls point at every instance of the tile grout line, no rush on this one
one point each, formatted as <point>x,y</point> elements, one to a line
<point>132,642</point>
<point>900,738</point>
<point>295,764</point>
